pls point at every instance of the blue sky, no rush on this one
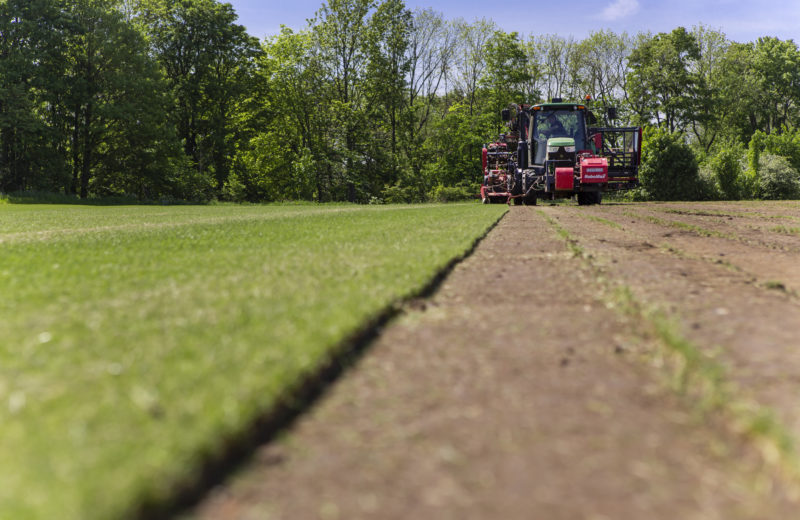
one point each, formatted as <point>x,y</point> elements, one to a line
<point>740,20</point>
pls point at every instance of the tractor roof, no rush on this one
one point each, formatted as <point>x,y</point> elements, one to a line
<point>556,106</point>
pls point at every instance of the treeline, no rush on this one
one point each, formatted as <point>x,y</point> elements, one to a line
<point>163,99</point>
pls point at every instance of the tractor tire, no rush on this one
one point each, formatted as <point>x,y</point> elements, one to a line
<point>516,185</point>
<point>589,198</point>
<point>530,200</point>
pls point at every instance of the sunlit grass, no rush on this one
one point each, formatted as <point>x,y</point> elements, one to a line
<point>135,340</point>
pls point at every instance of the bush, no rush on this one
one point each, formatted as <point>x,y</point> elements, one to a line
<point>669,169</point>
<point>726,169</point>
<point>397,194</point>
<point>634,195</point>
<point>786,143</point>
<point>452,193</point>
<point>234,190</point>
<point>708,186</point>
<point>777,179</point>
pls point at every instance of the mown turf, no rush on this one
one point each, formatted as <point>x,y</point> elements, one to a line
<point>136,339</point>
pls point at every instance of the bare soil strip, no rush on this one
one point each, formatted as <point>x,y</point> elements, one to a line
<point>513,392</point>
<point>745,231</point>
<point>763,265</point>
<point>749,326</point>
<point>761,210</point>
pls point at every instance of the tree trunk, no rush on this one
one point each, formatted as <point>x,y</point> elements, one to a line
<point>76,153</point>
<point>86,166</point>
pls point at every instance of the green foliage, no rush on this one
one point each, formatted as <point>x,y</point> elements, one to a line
<point>507,71</point>
<point>776,68</point>
<point>777,179</point>
<point>91,118</point>
<point>138,341</point>
<point>754,150</point>
<point>774,150</point>
<point>785,143</point>
<point>158,99</point>
<point>208,61</point>
<point>455,145</point>
<point>399,194</point>
<point>669,169</point>
<point>726,170</point>
<point>457,193</point>
<point>599,70</point>
<point>661,81</point>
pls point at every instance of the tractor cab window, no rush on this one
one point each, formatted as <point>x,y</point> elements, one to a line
<point>556,123</point>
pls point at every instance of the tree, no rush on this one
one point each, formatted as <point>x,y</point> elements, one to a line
<point>430,53</point>
<point>507,71</point>
<point>340,39</point>
<point>776,65</point>
<point>208,60</point>
<point>283,120</point>
<point>386,86</point>
<point>82,101</point>
<point>470,59</point>
<point>709,105</point>
<point>32,71</point>
<point>602,60</point>
<point>558,64</point>
<point>116,104</point>
<point>661,84</point>
<point>726,167</point>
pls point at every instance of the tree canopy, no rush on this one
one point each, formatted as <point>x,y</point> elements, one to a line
<point>158,99</point>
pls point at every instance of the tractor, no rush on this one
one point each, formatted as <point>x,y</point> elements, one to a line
<point>558,155</point>
<point>498,160</point>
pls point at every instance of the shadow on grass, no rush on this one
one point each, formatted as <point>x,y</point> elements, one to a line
<point>45,197</point>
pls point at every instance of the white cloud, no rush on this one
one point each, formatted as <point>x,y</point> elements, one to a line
<point>620,9</point>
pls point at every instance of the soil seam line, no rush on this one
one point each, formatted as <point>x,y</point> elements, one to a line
<point>220,463</point>
<point>700,231</point>
<point>732,213</point>
<point>767,285</point>
<point>698,376</point>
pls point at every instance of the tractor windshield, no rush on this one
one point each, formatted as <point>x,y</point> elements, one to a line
<point>557,123</point>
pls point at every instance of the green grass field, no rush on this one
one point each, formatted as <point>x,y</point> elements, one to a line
<point>136,339</point>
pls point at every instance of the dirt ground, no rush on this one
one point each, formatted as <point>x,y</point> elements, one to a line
<point>519,390</point>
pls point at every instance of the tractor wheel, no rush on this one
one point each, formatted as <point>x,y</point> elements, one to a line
<point>589,198</point>
<point>530,200</point>
<point>516,186</point>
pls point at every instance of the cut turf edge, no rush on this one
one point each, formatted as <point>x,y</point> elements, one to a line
<point>233,452</point>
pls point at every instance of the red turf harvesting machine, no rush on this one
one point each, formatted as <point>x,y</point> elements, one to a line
<point>551,152</point>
